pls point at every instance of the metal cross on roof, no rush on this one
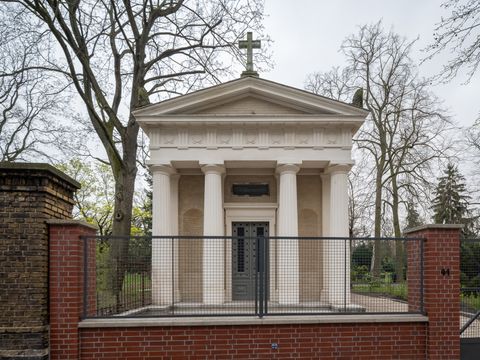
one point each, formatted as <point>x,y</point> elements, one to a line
<point>249,44</point>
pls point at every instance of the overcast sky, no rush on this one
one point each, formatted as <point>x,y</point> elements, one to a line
<point>307,35</point>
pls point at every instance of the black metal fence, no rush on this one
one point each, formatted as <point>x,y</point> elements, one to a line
<point>470,288</point>
<point>254,275</point>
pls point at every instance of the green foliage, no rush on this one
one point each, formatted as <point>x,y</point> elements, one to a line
<point>142,214</point>
<point>136,286</point>
<point>413,217</point>
<point>450,204</point>
<point>397,291</point>
<point>388,264</point>
<point>360,273</point>
<point>139,254</point>
<point>94,201</point>
<point>362,255</point>
<point>358,98</point>
<point>470,264</point>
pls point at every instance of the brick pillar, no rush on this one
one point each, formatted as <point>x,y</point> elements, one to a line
<point>441,287</point>
<point>30,194</point>
<point>66,284</point>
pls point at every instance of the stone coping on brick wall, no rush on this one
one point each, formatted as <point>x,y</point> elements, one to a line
<point>42,167</point>
<point>252,320</point>
<point>433,226</point>
<point>68,222</point>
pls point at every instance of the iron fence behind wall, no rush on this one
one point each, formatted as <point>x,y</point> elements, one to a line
<point>470,288</point>
<point>251,275</point>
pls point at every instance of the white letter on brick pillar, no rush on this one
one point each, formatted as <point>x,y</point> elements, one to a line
<point>213,224</point>
<point>288,271</point>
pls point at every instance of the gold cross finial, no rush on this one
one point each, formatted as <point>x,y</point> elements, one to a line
<point>249,44</point>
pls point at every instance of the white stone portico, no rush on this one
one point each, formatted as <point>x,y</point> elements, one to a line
<point>293,143</point>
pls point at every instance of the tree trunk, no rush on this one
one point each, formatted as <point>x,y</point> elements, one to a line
<point>377,251</point>
<point>399,261</point>
<point>122,216</point>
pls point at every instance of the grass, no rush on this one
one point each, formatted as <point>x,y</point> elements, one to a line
<point>470,302</point>
<point>134,293</point>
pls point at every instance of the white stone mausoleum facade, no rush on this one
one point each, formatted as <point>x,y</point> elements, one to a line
<point>250,157</point>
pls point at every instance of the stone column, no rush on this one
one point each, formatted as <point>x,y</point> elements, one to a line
<point>338,251</point>
<point>174,178</point>
<point>213,225</point>
<point>288,270</point>
<point>163,250</point>
<point>325,233</point>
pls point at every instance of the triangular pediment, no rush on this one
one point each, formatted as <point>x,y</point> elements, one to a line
<point>251,104</point>
<point>249,96</point>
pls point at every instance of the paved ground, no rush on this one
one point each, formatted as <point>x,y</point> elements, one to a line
<point>369,304</point>
<point>473,330</point>
<point>379,304</point>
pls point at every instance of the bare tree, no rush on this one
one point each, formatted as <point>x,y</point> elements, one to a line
<point>458,34</point>
<point>121,54</point>
<point>29,103</point>
<point>403,133</point>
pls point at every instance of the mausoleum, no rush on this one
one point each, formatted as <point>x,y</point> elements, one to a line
<point>245,160</point>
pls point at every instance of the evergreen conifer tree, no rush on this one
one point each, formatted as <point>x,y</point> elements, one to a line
<point>451,202</point>
<point>413,218</point>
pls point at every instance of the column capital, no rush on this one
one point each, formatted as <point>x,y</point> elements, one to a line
<point>338,169</point>
<point>287,169</point>
<point>163,169</point>
<point>213,169</point>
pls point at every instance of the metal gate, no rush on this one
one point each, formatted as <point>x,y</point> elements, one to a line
<point>249,264</point>
<point>470,299</point>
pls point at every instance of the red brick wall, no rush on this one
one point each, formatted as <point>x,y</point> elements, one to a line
<point>437,339</point>
<point>66,286</point>
<point>30,194</point>
<point>441,292</point>
<point>306,341</point>
<point>414,280</point>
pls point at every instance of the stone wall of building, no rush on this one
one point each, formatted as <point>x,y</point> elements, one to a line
<point>30,194</point>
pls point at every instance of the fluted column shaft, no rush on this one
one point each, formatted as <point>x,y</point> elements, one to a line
<point>338,251</point>
<point>163,250</point>
<point>213,224</point>
<point>325,232</point>
<point>174,179</point>
<point>288,269</point>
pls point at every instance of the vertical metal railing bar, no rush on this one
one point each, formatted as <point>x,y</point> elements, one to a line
<point>422,310</point>
<point>257,251</point>
<point>85,276</point>
<point>173,275</point>
<point>267,273</point>
<point>133,296</point>
<point>345,275</point>
<point>261,272</point>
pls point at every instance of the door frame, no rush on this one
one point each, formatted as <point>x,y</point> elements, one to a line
<point>249,212</point>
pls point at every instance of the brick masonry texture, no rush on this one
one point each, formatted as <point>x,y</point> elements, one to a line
<point>309,341</point>
<point>442,292</point>
<point>66,287</point>
<point>437,339</point>
<point>30,194</point>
